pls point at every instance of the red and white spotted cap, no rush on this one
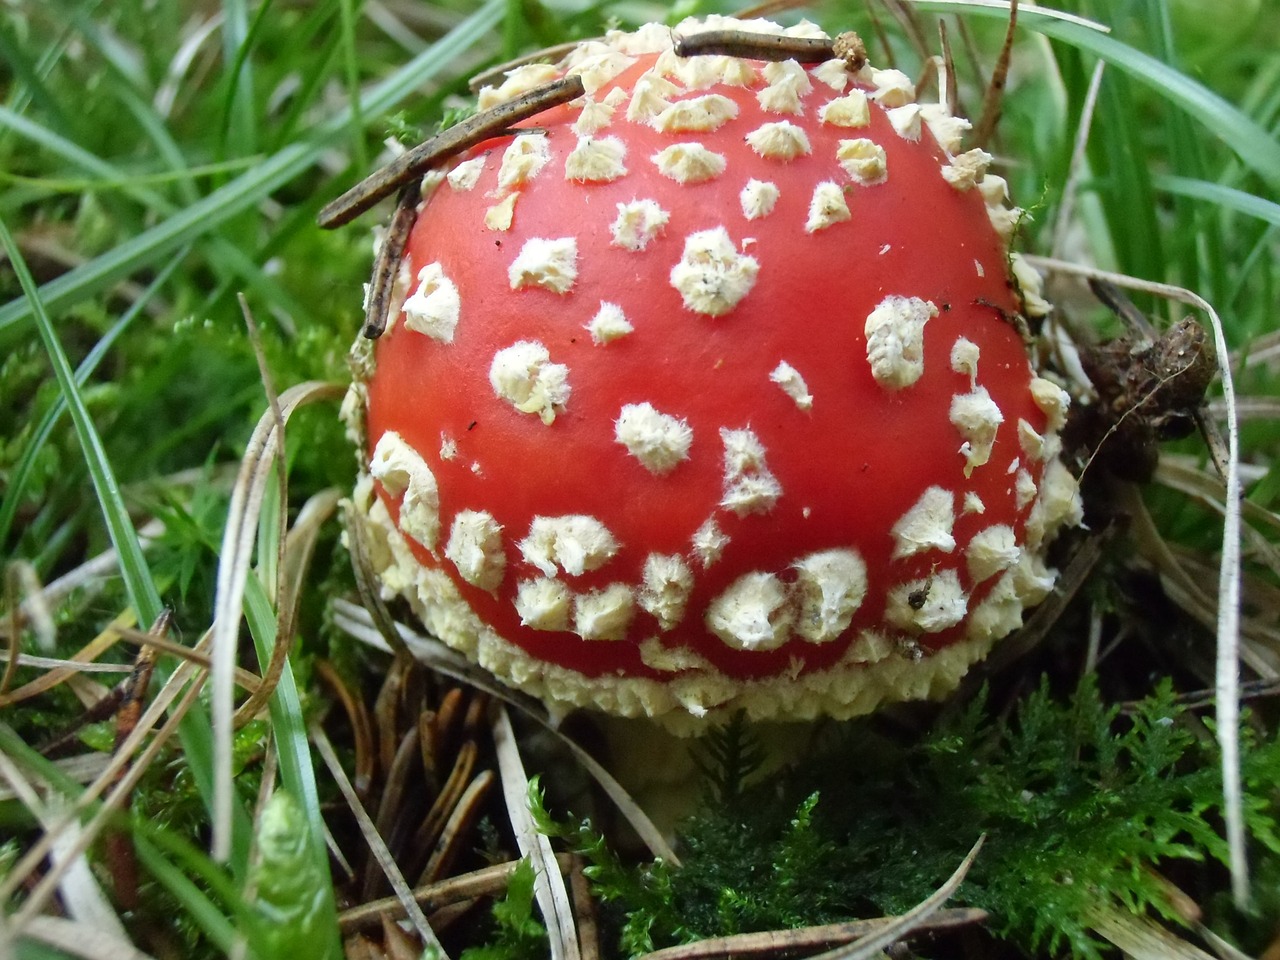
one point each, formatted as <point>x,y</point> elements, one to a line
<point>705,395</point>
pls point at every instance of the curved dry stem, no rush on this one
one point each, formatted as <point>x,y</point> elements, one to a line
<point>873,944</point>
<point>298,549</point>
<point>1228,618</point>
<point>235,559</point>
<point>550,891</point>
<point>357,720</point>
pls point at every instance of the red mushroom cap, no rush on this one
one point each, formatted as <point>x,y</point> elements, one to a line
<point>705,394</point>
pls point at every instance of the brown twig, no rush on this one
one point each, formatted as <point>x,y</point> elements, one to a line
<point>755,46</point>
<point>993,99</point>
<point>412,164</point>
<point>773,943</point>
<point>390,255</point>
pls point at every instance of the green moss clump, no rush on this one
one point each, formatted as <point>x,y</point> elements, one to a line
<point>1083,805</point>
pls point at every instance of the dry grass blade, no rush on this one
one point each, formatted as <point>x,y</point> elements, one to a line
<point>882,36</point>
<point>1040,11</point>
<point>773,943</point>
<point>56,663</point>
<point>235,558</point>
<point>768,8</point>
<point>181,682</point>
<point>1224,950</point>
<point>245,679</point>
<point>376,846</point>
<point>79,890</point>
<point>1206,488</point>
<point>87,579</point>
<point>1142,939</point>
<point>21,577</point>
<point>549,886</point>
<point>86,654</point>
<point>1263,350</point>
<point>358,623</point>
<point>1228,619</point>
<point>83,768</point>
<point>872,945</point>
<point>489,881</point>
<point>1253,408</point>
<point>910,26</point>
<point>299,546</point>
<point>1078,168</point>
<point>78,939</point>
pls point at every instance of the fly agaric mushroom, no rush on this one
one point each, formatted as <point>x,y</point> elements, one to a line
<point>701,392</point>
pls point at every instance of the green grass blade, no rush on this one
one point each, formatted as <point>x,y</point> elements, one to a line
<point>249,189</point>
<point>27,81</point>
<point>212,921</point>
<point>289,727</point>
<point>239,131</point>
<point>21,472</point>
<point>351,73</point>
<point>233,264</point>
<point>1129,203</point>
<point>1228,198</point>
<point>1251,143</point>
<point>200,908</point>
<point>139,584</point>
